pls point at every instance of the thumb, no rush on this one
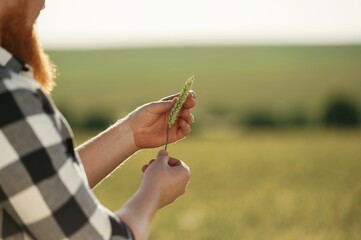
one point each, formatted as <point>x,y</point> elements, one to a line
<point>163,156</point>
<point>161,106</point>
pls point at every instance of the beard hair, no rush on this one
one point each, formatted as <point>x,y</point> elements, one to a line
<point>23,42</point>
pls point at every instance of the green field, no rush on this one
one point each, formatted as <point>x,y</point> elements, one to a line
<point>291,185</point>
<point>230,81</point>
<point>278,185</point>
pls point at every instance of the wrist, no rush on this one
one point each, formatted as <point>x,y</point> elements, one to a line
<point>151,193</point>
<point>126,134</point>
<point>139,211</point>
<point>106,151</point>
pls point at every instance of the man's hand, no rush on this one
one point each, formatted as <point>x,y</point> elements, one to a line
<point>149,122</point>
<point>166,176</point>
<point>164,180</point>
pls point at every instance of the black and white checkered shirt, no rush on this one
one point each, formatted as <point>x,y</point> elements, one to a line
<point>44,193</point>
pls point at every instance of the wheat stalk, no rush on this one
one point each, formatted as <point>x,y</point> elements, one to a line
<point>178,105</point>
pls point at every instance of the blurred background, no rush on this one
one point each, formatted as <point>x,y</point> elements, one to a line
<point>275,151</point>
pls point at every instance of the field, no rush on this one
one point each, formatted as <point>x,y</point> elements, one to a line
<point>271,184</point>
<point>291,185</point>
<point>230,81</point>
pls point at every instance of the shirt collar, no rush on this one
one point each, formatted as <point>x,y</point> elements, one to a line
<point>11,62</point>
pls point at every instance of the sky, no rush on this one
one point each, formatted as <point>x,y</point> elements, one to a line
<point>133,23</point>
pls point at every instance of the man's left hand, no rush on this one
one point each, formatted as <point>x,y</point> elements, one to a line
<point>149,122</point>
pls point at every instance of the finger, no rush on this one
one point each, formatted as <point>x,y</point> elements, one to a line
<point>170,98</point>
<point>191,94</point>
<point>184,129</point>
<point>173,162</point>
<point>190,120</point>
<point>183,169</point>
<point>189,103</point>
<point>163,156</point>
<point>144,168</point>
<point>183,124</point>
<point>187,116</point>
<point>147,165</point>
<point>160,106</point>
<point>186,169</point>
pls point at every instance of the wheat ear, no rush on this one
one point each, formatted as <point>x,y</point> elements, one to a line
<point>178,105</point>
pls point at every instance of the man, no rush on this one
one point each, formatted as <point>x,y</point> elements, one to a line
<point>45,183</point>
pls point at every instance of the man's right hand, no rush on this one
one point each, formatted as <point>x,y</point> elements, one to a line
<point>164,180</point>
<point>168,177</point>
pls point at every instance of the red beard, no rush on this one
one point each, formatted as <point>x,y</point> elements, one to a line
<point>24,44</point>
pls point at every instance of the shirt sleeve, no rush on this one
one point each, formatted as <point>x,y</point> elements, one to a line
<point>41,178</point>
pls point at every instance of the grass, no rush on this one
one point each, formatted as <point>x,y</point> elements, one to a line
<point>285,185</point>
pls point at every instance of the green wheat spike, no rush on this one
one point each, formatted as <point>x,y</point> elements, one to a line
<point>178,105</point>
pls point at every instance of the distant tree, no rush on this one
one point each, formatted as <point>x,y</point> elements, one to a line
<point>260,120</point>
<point>68,113</point>
<point>96,121</point>
<point>341,113</point>
<point>219,110</point>
<point>296,119</point>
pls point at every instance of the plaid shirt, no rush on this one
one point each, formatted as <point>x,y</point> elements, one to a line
<point>44,193</point>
